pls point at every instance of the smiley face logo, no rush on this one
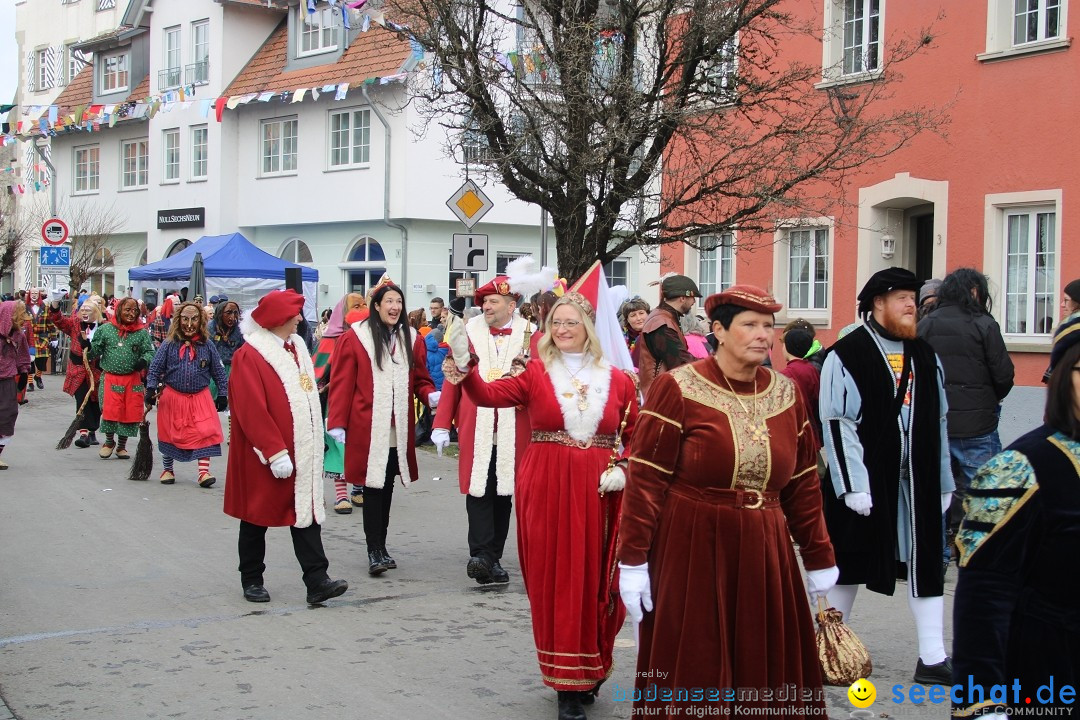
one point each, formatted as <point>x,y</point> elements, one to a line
<point>862,693</point>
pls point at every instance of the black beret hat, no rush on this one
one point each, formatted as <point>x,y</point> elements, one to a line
<point>883,282</point>
<point>798,342</point>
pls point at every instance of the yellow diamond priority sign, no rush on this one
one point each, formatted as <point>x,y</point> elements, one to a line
<point>469,203</point>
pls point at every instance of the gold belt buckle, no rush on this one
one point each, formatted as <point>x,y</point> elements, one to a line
<point>583,445</point>
<point>759,499</point>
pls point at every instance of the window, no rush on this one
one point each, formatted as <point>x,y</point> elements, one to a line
<point>169,77</point>
<point>719,73</point>
<point>617,272</point>
<point>103,281</point>
<point>135,161</point>
<point>716,262</point>
<point>278,146</point>
<point>350,138</point>
<point>200,142</point>
<point>317,32</point>
<point>87,168</point>
<point>1035,20</point>
<point>75,63</point>
<point>178,247</point>
<point>114,73</point>
<point>171,161</point>
<point>808,268</point>
<point>862,35</point>
<point>296,251</point>
<point>1030,270</point>
<point>503,259</point>
<point>474,147</point>
<point>1021,27</point>
<point>199,72</point>
<point>364,266</point>
<point>42,67</point>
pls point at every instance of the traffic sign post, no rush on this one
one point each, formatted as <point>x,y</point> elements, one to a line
<point>469,204</point>
<point>54,257</point>
<point>54,231</point>
<point>469,253</point>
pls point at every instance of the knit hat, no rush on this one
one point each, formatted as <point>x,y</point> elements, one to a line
<point>1073,291</point>
<point>929,290</point>
<point>798,342</point>
<point>277,307</point>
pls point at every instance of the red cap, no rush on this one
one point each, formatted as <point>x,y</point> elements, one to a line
<point>277,308</point>
<point>750,297</point>
<point>499,286</point>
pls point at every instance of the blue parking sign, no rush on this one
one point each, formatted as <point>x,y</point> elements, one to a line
<point>54,256</point>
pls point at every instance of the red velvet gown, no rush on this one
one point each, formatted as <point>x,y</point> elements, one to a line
<point>731,612</point>
<point>566,530</point>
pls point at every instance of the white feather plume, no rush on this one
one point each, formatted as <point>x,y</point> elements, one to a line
<point>526,280</point>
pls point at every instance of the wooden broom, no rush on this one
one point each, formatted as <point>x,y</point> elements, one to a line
<point>65,441</point>
<point>143,464</point>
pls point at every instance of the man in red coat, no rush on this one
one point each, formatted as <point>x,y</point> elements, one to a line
<point>274,477</point>
<point>492,441</point>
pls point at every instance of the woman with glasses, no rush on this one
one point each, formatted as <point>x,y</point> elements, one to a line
<point>1016,618</point>
<point>568,492</point>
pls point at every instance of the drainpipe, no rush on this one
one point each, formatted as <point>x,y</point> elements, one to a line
<point>52,170</point>
<point>386,190</point>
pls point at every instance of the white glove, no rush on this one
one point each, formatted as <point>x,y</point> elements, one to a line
<point>860,502</point>
<point>433,399</point>
<point>946,501</point>
<point>441,438</point>
<point>635,590</point>
<point>56,295</point>
<point>612,480</point>
<point>282,467</point>
<point>820,582</point>
<point>338,434</point>
<point>458,341</point>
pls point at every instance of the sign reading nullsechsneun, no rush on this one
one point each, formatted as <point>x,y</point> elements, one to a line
<point>181,218</point>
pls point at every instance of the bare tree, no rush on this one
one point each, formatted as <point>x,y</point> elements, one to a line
<point>641,122</point>
<point>91,225</point>
<point>16,230</point>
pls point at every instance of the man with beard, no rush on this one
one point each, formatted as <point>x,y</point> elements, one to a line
<point>889,480</point>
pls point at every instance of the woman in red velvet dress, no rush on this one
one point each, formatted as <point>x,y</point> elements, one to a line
<point>567,500</point>
<point>722,474</point>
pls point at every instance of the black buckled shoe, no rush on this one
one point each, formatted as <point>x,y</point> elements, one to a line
<point>936,674</point>
<point>325,590</point>
<point>387,560</point>
<point>570,705</point>
<point>256,593</point>
<point>376,564</point>
<point>479,569</point>
<point>498,575</point>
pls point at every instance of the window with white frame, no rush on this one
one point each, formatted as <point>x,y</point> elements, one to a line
<point>200,152</point>
<point>114,73</point>
<point>719,73</point>
<point>862,35</point>
<point>87,168</point>
<point>1035,20</point>
<point>317,32</point>
<point>350,138</point>
<point>716,263</point>
<point>1030,269</point>
<point>503,259</point>
<point>296,251</point>
<point>41,57</point>
<point>474,147</point>
<point>279,140</point>
<point>75,63</point>
<point>134,164</point>
<point>170,144</point>
<point>200,53</point>
<point>617,272</point>
<point>170,75</point>
<point>808,268</point>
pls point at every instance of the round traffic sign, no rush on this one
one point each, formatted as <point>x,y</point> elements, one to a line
<point>54,231</point>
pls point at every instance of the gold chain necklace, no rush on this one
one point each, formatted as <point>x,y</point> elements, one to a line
<point>758,428</point>
<point>581,389</point>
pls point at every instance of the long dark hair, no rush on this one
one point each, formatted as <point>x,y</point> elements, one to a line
<point>381,332</point>
<point>956,290</point>
<point>1061,406</point>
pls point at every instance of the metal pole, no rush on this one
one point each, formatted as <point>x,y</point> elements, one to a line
<point>543,236</point>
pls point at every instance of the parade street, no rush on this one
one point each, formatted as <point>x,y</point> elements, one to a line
<point>121,599</point>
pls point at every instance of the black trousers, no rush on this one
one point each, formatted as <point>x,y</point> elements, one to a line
<point>489,518</point>
<point>377,503</point>
<point>41,364</point>
<point>92,414</point>
<point>307,544</point>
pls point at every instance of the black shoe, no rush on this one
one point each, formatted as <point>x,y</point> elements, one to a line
<point>326,589</point>
<point>40,384</point>
<point>93,438</point>
<point>376,564</point>
<point>82,441</point>
<point>29,387</point>
<point>256,593</point>
<point>570,705</point>
<point>387,560</point>
<point>498,575</point>
<point>479,569</point>
<point>937,674</point>
<point>589,696</point>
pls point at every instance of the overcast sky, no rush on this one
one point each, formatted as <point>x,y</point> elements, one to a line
<point>9,53</point>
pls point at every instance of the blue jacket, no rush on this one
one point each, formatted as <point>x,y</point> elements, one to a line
<point>436,353</point>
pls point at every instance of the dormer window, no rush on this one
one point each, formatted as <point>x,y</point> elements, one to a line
<point>114,73</point>
<point>318,32</point>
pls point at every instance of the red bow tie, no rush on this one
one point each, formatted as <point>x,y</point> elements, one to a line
<point>501,331</point>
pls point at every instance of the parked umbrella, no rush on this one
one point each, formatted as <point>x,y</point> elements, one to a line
<point>197,285</point>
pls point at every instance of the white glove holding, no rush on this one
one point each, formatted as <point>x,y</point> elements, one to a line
<point>56,295</point>
<point>635,590</point>
<point>820,582</point>
<point>433,399</point>
<point>458,341</point>
<point>338,434</point>
<point>441,438</point>
<point>860,502</point>
<point>282,467</point>
<point>946,501</point>
<point>612,480</point>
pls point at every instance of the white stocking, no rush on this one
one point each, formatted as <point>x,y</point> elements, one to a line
<point>929,613</point>
<point>842,597</point>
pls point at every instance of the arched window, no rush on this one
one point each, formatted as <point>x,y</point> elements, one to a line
<point>364,266</point>
<point>296,251</point>
<point>142,258</point>
<point>178,246</point>
<point>367,250</point>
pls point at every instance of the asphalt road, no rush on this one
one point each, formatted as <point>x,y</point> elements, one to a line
<point>122,600</point>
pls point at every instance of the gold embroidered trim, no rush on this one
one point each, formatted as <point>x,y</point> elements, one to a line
<point>570,667</point>
<point>1056,442</point>
<point>661,417</point>
<point>549,652</point>
<point>652,465</point>
<point>803,472</point>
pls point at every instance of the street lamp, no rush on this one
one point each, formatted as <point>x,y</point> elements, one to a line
<point>888,245</point>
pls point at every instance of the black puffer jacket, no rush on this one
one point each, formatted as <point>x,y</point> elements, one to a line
<point>978,369</point>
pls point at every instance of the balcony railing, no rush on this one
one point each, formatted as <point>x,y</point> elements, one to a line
<point>197,73</point>
<point>168,78</point>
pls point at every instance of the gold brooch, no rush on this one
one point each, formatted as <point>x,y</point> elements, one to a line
<point>305,382</point>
